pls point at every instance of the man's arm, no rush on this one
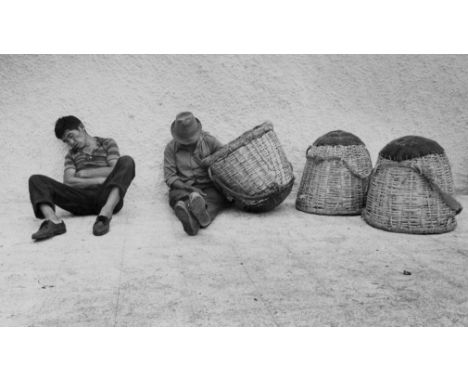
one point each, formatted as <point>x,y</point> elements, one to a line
<point>70,178</point>
<point>171,175</point>
<point>98,172</point>
<point>213,143</point>
<point>170,167</point>
<point>217,145</point>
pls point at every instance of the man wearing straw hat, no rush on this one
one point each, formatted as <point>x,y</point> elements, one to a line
<point>192,195</point>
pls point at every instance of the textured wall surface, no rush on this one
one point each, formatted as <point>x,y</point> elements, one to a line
<point>134,99</point>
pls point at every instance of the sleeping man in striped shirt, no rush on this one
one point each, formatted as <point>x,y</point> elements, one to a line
<point>95,181</point>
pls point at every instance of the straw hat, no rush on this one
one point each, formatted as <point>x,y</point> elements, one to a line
<point>186,129</point>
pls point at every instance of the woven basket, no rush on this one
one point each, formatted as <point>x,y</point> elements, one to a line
<point>335,176</point>
<point>410,189</point>
<point>252,170</point>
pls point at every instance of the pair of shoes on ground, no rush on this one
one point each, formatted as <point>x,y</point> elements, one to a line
<point>193,214</point>
<point>50,229</point>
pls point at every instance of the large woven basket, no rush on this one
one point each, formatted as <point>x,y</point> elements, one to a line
<point>411,189</point>
<point>252,170</point>
<point>335,176</point>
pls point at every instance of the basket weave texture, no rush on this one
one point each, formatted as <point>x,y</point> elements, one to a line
<point>412,196</point>
<point>252,170</point>
<point>335,177</point>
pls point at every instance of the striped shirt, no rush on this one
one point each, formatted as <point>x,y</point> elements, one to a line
<point>105,151</point>
<point>181,163</point>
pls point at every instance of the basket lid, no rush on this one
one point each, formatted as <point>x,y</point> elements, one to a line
<point>338,138</point>
<point>410,147</point>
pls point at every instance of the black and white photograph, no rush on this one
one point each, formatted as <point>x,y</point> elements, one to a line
<point>233,189</point>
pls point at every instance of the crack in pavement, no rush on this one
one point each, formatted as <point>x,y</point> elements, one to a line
<point>119,286</point>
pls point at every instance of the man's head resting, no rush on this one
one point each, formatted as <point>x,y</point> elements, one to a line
<point>186,128</point>
<point>71,130</point>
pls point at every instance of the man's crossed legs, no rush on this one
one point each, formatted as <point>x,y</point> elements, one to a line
<point>103,200</point>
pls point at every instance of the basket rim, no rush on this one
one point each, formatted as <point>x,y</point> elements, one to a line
<point>316,159</point>
<point>412,160</point>
<point>338,147</point>
<point>237,143</point>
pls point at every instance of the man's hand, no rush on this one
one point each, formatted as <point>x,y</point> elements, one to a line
<point>178,184</point>
<point>195,189</point>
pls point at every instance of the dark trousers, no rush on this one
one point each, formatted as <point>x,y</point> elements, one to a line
<point>215,201</point>
<point>81,201</point>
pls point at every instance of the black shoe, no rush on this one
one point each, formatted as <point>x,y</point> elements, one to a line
<point>190,225</point>
<point>197,206</point>
<point>101,225</point>
<point>49,229</point>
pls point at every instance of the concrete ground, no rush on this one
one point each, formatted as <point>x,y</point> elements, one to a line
<point>283,268</point>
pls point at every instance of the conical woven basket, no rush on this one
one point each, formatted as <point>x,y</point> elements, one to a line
<point>410,193</point>
<point>252,170</point>
<point>335,177</point>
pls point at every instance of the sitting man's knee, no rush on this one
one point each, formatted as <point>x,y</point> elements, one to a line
<point>36,178</point>
<point>127,161</point>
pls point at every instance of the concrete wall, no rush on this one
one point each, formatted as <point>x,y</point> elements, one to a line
<point>134,99</point>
